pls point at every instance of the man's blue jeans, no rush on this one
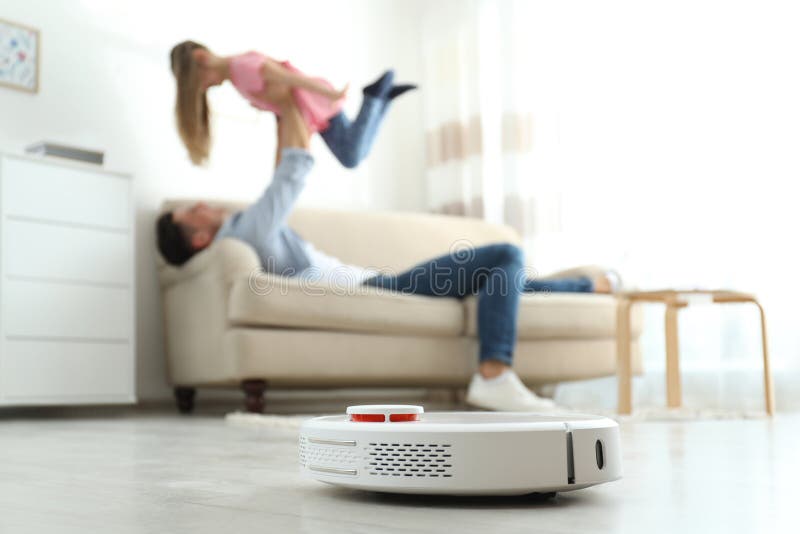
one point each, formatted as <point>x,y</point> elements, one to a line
<point>351,141</point>
<point>496,275</point>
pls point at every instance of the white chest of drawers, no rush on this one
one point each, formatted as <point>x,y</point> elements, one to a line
<point>66,283</point>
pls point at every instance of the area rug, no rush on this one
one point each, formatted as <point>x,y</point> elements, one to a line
<point>242,419</point>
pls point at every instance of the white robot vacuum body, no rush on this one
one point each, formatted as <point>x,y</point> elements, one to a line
<point>401,449</point>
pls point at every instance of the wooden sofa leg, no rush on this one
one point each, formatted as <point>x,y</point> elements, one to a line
<point>184,399</point>
<point>254,395</point>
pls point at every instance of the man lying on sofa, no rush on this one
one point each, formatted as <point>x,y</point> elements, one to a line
<point>494,273</point>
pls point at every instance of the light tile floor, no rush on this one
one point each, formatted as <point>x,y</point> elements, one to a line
<point>158,472</point>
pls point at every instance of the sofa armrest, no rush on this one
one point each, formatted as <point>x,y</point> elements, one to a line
<point>230,258</point>
<point>195,300</point>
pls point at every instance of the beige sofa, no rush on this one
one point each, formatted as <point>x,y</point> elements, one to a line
<point>229,324</point>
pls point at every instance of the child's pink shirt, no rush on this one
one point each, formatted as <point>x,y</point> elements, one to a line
<point>246,75</point>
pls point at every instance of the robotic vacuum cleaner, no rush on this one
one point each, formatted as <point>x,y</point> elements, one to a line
<point>402,449</point>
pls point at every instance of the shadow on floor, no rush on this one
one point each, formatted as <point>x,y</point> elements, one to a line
<point>477,502</point>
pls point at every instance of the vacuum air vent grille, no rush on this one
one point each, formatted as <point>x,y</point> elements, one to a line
<point>411,460</point>
<point>327,454</point>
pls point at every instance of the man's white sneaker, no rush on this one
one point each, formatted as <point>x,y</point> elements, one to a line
<point>505,393</point>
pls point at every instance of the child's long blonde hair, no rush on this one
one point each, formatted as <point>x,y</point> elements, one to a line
<point>191,104</point>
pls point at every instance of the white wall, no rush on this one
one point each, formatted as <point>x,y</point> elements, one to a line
<point>670,132</point>
<point>105,83</point>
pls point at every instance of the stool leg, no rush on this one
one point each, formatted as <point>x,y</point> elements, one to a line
<point>673,364</point>
<point>624,387</point>
<point>769,395</point>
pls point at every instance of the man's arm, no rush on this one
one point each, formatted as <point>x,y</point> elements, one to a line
<point>259,222</point>
<point>292,130</point>
<point>278,144</point>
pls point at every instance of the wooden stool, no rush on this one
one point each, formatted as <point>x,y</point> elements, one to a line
<point>674,300</point>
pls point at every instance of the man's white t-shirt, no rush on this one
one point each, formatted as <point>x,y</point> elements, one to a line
<point>332,271</point>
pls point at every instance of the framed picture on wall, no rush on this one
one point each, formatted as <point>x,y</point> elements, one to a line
<point>19,56</point>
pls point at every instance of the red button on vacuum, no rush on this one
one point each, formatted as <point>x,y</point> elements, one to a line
<point>380,413</point>
<point>368,417</point>
<point>398,417</point>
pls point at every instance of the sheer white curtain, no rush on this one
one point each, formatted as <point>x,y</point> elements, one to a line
<point>478,113</point>
<point>658,138</point>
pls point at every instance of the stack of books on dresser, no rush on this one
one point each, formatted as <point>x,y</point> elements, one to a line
<point>46,148</point>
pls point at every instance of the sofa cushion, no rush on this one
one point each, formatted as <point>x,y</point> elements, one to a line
<point>562,316</point>
<point>267,300</point>
<point>290,358</point>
